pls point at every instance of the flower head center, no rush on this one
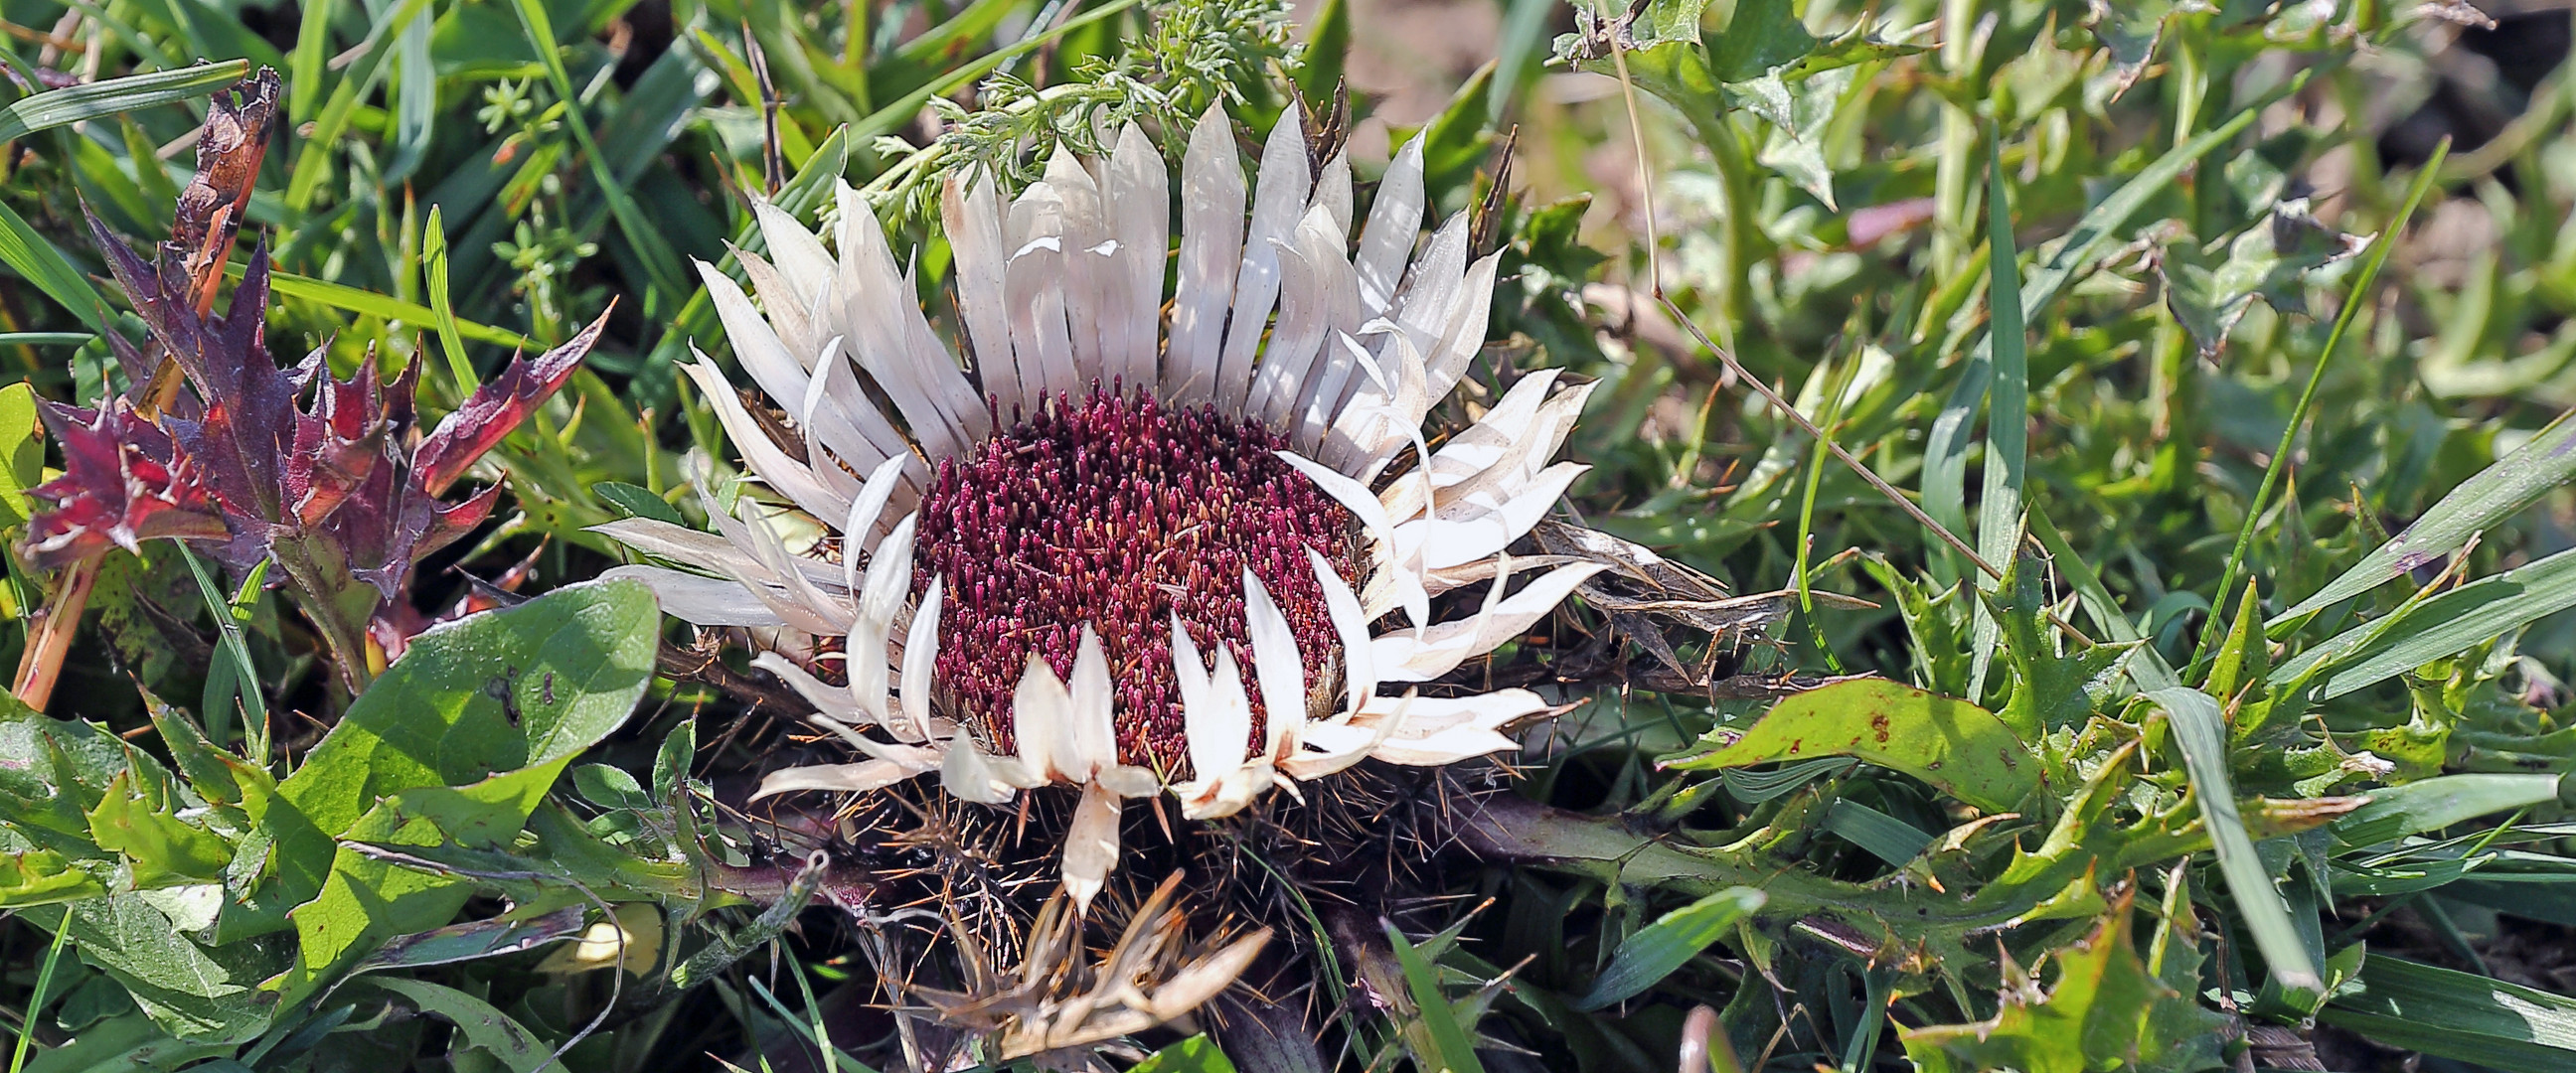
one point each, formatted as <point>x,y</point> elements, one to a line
<point>1115,512</point>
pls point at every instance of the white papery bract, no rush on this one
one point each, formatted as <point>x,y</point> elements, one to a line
<point>1284,332</point>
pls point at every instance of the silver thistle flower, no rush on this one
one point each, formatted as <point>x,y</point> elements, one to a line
<point>1124,563</point>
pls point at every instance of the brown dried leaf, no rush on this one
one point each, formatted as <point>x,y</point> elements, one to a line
<point>229,149</point>
<point>1057,999</point>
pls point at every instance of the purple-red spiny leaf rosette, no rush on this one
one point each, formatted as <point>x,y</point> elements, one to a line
<point>123,483</point>
<point>248,424</point>
<point>340,489</point>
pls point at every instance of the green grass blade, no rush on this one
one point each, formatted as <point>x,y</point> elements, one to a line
<point>29,253</point>
<point>1885,837</point>
<point>2450,1014</point>
<point>36,999</point>
<point>1668,944</point>
<point>311,166</point>
<point>2432,629</point>
<point>442,308</point>
<point>2498,492</point>
<point>57,107</point>
<point>2007,412</point>
<point>2435,803</point>
<point>917,62</point>
<point>1525,24</point>
<point>1945,452</point>
<point>2201,733</point>
<point>2353,301</point>
<point>229,614</point>
<point>369,303</point>
<point>1451,1050</point>
<point>660,261</point>
<point>810,1026</point>
<point>32,256</point>
<point>123,32</point>
<point>1828,416</point>
<point>304,66</point>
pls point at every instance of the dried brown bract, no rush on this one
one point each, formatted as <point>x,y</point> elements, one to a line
<point>1059,1002</point>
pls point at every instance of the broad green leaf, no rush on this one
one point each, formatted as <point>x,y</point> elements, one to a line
<point>520,692</point>
<point>609,787</point>
<point>488,1029</point>
<point>1453,142</point>
<point>52,772</point>
<point>1668,944</point>
<point>1799,112</point>
<point>2458,1015</point>
<point>2104,1010</point>
<point>494,692</point>
<point>2436,803</point>
<point>2129,32</point>
<point>22,452</point>
<point>2050,689</point>
<point>368,899</point>
<point>2268,261</point>
<point>1959,748</point>
<point>2498,492</point>
<point>2148,668</point>
<point>2201,732</point>
<point>2245,656</point>
<point>72,104</point>
<point>122,1045</point>
<point>43,877</point>
<point>635,501</point>
<point>1197,1054</point>
<point>672,762</point>
<point>2445,625</point>
<point>1762,37</point>
<point>194,991</point>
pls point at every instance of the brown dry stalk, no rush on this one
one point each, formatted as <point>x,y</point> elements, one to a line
<point>50,632</point>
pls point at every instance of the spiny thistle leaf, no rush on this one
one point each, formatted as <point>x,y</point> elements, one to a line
<point>342,491</point>
<point>122,483</point>
<point>2108,1010</point>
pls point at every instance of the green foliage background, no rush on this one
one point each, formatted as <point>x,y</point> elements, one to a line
<point>2247,733</point>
